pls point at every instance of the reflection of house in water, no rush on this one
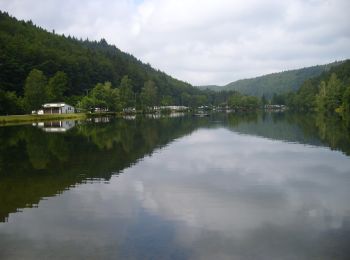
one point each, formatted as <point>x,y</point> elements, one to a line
<point>177,114</point>
<point>129,117</point>
<point>159,115</point>
<point>154,116</point>
<point>104,119</point>
<point>55,126</point>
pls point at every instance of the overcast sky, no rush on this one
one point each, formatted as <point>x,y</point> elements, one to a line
<point>204,41</point>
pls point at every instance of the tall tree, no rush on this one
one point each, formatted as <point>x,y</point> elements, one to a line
<point>126,93</point>
<point>306,98</point>
<point>9,103</point>
<point>185,99</point>
<point>149,94</point>
<point>102,96</point>
<point>321,97</point>
<point>58,84</point>
<point>166,100</point>
<point>35,90</point>
<point>333,93</point>
<point>346,102</point>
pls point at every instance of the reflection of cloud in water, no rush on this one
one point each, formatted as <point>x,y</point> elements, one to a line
<point>212,195</point>
<point>236,186</point>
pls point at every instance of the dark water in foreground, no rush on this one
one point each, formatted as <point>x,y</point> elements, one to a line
<point>222,187</point>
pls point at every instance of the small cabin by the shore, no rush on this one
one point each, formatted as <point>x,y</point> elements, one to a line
<point>57,108</point>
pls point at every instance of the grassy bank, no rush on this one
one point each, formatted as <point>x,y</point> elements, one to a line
<point>25,119</point>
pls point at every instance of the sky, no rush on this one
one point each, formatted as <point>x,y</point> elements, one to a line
<point>204,42</point>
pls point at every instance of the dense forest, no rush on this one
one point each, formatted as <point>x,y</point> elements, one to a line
<point>38,66</point>
<point>326,94</point>
<point>278,83</point>
<point>25,46</point>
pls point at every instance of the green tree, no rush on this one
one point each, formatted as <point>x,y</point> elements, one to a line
<point>35,90</point>
<point>166,101</point>
<point>291,100</point>
<point>149,94</point>
<point>57,85</point>
<point>278,99</point>
<point>346,102</point>
<point>199,100</point>
<point>251,102</point>
<point>87,103</point>
<point>305,99</point>
<point>239,101</point>
<point>10,103</point>
<point>127,95</point>
<point>333,93</point>
<point>102,96</point>
<point>185,99</point>
<point>235,101</point>
<point>321,97</point>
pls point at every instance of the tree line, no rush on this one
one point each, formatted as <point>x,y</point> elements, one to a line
<point>40,89</point>
<point>37,66</point>
<point>327,94</point>
<point>25,47</point>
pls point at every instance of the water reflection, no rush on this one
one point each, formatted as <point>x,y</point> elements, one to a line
<point>133,189</point>
<point>97,120</point>
<point>310,129</point>
<point>288,202</point>
<point>35,164</point>
<point>55,126</point>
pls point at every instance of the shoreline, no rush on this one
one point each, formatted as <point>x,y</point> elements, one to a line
<point>10,120</point>
<point>27,119</point>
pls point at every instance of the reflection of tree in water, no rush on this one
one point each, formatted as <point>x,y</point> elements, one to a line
<point>35,164</point>
<point>104,136</point>
<point>334,132</point>
<point>313,129</point>
<point>37,149</point>
<point>330,130</point>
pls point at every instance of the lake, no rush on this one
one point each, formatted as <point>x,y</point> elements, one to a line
<point>227,186</point>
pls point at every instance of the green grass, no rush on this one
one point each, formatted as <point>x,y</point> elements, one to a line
<point>25,119</point>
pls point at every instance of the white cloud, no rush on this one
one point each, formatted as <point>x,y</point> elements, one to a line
<point>205,42</point>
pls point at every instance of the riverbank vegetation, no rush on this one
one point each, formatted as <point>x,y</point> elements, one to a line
<point>328,94</point>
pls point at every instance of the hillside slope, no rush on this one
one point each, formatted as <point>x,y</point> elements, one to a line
<point>279,83</point>
<point>24,46</point>
<point>327,93</point>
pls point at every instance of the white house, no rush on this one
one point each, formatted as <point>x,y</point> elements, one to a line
<point>57,108</point>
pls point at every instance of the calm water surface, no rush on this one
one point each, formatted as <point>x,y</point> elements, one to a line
<point>223,187</point>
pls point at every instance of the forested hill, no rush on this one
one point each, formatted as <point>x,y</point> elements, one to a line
<point>275,83</point>
<point>24,47</point>
<point>327,93</point>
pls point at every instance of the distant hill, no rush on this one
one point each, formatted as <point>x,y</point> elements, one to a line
<point>279,83</point>
<point>25,46</point>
